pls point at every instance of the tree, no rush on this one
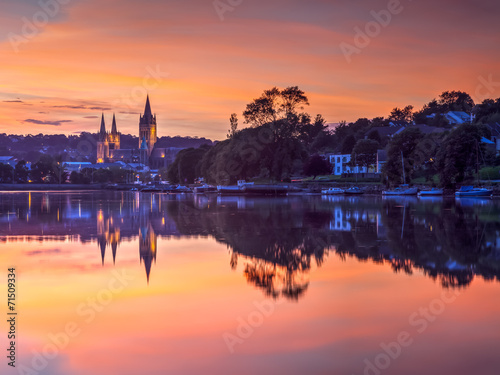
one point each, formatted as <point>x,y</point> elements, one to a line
<point>233,121</point>
<point>348,144</point>
<point>403,115</point>
<point>404,144</point>
<point>21,172</point>
<point>103,176</point>
<point>43,170</point>
<point>458,158</point>
<point>275,105</point>
<point>455,101</point>
<point>317,165</point>
<point>341,131</point>
<point>375,136</point>
<point>78,178</point>
<point>186,166</point>
<point>6,173</point>
<point>364,153</point>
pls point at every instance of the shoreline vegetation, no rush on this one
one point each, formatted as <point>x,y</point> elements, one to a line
<point>450,142</point>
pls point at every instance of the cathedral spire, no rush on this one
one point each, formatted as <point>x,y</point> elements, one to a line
<point>147,110</point>
<point>113,127</point>
<point>103,126</point>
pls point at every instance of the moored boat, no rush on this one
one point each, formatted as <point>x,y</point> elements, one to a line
<point>431,192</point>
<point>332,191</point>
<point>265,189</point>
<point>353,191</point>
<point>228,190</point>
<point>401,190</point>
<point>470,191</point>
<point>233,189</point>
<point>205,189</point>
<point>151,189</point>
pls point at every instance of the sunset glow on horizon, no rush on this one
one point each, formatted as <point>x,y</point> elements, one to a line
<point>65,64</point>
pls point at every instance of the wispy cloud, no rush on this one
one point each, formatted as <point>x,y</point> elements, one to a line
<point>93,108</point>
<point>40,252</point>
<point>13,101</point>
<point>41,122</point>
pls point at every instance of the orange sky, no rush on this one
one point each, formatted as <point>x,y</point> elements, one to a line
<point>102,56</point>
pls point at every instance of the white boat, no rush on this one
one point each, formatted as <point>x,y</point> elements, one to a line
<point>431,192</point>
<point>401,190</point>
<point>470,191</point>
<point>332,191</point>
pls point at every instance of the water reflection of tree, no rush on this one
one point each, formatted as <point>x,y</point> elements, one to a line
<point>276,241</point>
<point>445,240</point>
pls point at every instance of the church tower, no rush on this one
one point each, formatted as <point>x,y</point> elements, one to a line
<point>114,136</point>
<point>147,128</point>
<point>102,143</point>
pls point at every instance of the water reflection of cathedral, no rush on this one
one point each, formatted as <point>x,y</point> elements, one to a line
<point>109,232</point>
<point>147,246</point>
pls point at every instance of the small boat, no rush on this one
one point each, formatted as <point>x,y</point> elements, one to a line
<point>181,189</point>
<point>354,191</point>
<point>265,189</point>
<point>233,189</point>
<point>205,189</point>
<point>401,190</point>
<point>431,192</point>
<point>228,190</point>
<point>404,189</point>
<point>151,190</point>
<point>470,191</point>
<point>332,191</point>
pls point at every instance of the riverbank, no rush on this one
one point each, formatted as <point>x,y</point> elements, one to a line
<point>50,187</point>
<point>316,186</point>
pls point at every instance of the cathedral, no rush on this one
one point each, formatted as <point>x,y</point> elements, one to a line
<point>109,150</point>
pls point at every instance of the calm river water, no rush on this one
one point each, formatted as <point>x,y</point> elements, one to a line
<point>140,283</point>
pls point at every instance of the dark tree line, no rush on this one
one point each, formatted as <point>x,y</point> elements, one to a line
<point>275,146</point>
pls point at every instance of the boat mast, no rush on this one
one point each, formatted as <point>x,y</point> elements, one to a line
<point>403,164</point>
<point>477,163</point>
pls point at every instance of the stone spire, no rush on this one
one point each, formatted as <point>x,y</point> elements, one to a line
<point>147,111</point>
<point>102,132</point>
<point>113,127</point>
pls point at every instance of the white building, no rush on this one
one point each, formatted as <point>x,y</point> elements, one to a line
<point>340,165</point>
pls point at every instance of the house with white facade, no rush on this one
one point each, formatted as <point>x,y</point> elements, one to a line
<point>340,164</point>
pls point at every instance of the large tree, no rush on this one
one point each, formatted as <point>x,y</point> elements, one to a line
<point>275,105</point>
<point>317,165</point>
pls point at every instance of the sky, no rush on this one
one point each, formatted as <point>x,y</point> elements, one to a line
<point>64,62</point>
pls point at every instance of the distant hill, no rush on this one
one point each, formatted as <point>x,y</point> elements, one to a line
<point>80,147</point>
